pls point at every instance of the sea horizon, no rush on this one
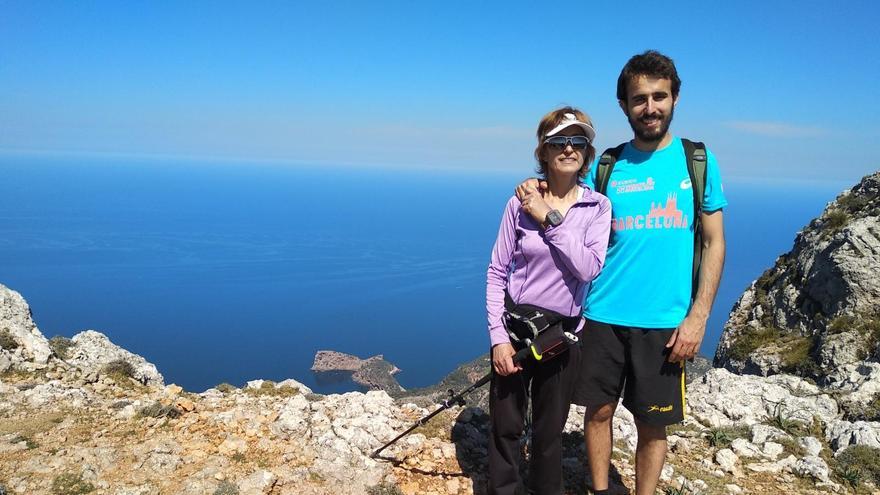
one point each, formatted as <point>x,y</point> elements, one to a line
<point>235,272</point>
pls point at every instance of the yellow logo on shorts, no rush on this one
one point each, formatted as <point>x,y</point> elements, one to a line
<point>656,408</point>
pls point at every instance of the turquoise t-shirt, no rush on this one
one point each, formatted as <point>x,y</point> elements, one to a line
<point>646,281</point>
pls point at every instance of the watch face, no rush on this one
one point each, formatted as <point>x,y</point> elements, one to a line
<point>554,218</point>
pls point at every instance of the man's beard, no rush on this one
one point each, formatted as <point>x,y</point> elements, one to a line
<point>643,134</point>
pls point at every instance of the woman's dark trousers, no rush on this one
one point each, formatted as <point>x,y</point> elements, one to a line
<point>551,384</point>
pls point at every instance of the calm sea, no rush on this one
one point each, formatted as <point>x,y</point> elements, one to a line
<point>227,273</point>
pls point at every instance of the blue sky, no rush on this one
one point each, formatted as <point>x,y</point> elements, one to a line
<point>778,90</point>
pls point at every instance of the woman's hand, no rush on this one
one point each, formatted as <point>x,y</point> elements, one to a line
<point>502,359</point>
<point>533,203</point>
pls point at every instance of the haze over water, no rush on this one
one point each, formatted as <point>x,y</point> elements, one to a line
<point>232,272</point>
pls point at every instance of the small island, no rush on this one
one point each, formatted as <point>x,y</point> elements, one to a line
<point>374,373</point>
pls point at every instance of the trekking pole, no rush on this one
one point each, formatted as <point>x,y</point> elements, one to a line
<point>457,399</point>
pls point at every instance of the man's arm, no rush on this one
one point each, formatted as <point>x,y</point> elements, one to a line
<point>686,339</point>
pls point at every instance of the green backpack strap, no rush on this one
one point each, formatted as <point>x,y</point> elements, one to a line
<point>606,165</point>
<point>695,153</point>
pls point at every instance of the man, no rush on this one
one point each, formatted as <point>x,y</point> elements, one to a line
<point>642,322</point>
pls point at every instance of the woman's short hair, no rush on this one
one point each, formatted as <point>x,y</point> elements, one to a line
<point>551,120</point>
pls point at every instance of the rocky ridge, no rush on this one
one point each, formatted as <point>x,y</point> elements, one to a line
<point>815,313</point>
<point>87,423</point>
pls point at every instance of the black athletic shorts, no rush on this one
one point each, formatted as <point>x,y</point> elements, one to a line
<point>632,362</point>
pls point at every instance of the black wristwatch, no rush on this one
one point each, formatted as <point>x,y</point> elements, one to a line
<point>553,219</point>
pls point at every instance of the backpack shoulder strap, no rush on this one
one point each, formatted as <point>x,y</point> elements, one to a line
<point>695,156</point>
<point>695,153</point>
<point>606,165</point>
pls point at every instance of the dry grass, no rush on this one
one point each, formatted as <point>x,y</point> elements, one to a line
<point>31,426</point>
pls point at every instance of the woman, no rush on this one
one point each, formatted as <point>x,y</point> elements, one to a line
<point>550,246</point>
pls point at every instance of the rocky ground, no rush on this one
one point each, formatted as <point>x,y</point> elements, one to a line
<point>85,416</point>
<point>61,432</point>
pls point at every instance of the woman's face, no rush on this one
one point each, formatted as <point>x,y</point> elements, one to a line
<point>567,159</point>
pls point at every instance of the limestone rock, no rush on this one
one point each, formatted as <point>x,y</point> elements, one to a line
<point>813,313</point>
<point>762,433</point>
<point>727,460</point>
<point>260,482</point>
<point>15,319</point>
<point>721,398</point>
<point>743,448</point>
<point>842,434</point>
<point>814,467</point>
<point>811,445</point>
<point>93,350</point>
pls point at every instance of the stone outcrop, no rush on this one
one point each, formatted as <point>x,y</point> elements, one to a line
<point>92,351</point>
<point>815,313</point>
<point>23,340</point>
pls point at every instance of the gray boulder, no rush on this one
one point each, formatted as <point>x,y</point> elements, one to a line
<point>842,434</point>
<point>92,350</point>
<point>16,322</point>
<point>721,398</point>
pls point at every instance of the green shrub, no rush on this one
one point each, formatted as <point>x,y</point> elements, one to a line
<point>226,387</point>
<point>7,341</point>
<point>861,458</point>
<point>852,476</point>
<point>841,324</point>
<point>226,488</point>
<point>793,427</point>
<point>797,356</point>
<point>721,437</point>
<point>157,410</point>
<point>269,389</point>
<point>751,340</point>
<point>60,346</point>
<point>671,490</point>
<point>834,221</point>
<point>31,444</point>
<point>71,484</point>
<point>791,446</point>
<point>852,203</point>
<point>384,489</point>
<point>118,369</point>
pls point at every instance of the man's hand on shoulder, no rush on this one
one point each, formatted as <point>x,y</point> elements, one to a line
<point>686,339</point>
<point>528,185</point>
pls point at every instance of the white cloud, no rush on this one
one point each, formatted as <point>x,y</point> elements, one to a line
<point>776,129</point>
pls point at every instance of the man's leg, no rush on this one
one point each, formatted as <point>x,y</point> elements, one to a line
<point>603,370</point>
<point>655,396</point>
<point>650,456</point>
<point>598,439</point>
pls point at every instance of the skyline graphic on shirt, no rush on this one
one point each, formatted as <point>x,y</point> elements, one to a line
<point>660,216</point>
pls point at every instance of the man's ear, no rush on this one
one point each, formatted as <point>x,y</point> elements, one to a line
<point>675,101</point>
<point>622,104</point>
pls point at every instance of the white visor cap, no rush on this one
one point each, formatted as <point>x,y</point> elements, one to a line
<point>571,119</point>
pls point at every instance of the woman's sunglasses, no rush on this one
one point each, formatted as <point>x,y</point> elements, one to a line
<point>560,142</point>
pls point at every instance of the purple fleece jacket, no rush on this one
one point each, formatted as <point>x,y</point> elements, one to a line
<point>548,268</point>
